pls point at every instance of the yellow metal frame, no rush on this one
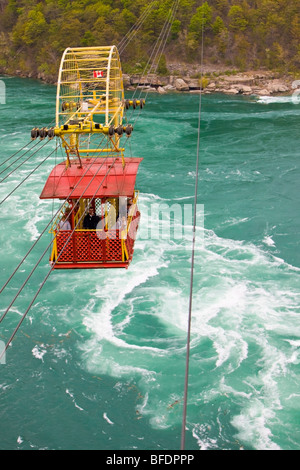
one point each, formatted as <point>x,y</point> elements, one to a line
<point>90,108</point>
<point>90,86</point>
<point>102,95</point>
<point>90,104</point>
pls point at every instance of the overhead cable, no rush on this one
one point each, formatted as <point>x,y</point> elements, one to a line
<point>26,160</point>
<point>28,176</point>
<point>189,329</point>
<point>16,153</point>
<point>45,229</point>
<point>45,251</point>
<point>48,275</point>
<point>19,158</point>
<point>158,50</point>
<point>20,150</point>
<point>135,28</point>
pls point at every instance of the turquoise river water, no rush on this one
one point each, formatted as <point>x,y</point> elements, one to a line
<point>99,362</point>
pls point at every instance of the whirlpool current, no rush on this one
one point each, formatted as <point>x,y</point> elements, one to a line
<point>99,362</point>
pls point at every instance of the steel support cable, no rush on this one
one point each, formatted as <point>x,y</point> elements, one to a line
<point>28,176</point>
<point>17,159</point>
<point>50,271</point>
<point>43,232</point>
<point>152,54</point>
<point>165,35</point>
<point>44,253</point>
<point>135,28</point>
<point>16,153</point>
<point>20,150</point>
<point>152,57</point>
<point>156,47</point>
<point>137,25</point>
<point>51,221</point>
<point>188,343</point>
<point>26,160</point>
<point>160,47</point>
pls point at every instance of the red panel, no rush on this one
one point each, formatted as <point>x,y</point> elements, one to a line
<point>86,250</point>
<point>65,246</point>
<point>108,265</point>
<point>91,180</point>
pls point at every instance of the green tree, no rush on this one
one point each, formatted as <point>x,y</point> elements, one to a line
<point>201,20</point>
<point>237,20</point>
<point>162,68</point>
<point>8,15</point>
<point>35,26</point>
<point>218,25</point>
<point>88,39</point>
<point>176,28</point>
<point>34,33</point>
<point>275,56</point>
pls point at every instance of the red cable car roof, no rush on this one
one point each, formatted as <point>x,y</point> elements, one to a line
<point>119,181</point>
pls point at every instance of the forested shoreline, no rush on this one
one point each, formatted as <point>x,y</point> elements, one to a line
<point>239,35</point>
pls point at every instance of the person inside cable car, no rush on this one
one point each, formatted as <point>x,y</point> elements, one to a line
<point>91,220</point>
<point>131,208</point>
<point>129,205</point>
<point>64,224</point>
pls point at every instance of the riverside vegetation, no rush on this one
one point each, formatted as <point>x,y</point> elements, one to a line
<point>240,36</point>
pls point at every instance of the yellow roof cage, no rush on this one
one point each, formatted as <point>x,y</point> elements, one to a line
<point>90,83</point>
<point>90,103</point>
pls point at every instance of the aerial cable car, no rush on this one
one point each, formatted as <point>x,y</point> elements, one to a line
<point>97,225</point>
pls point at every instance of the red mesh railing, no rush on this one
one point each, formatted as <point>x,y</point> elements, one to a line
<point>67,255</point>
<point>88,246</point>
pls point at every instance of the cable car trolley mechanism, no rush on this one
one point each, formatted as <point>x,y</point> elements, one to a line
<point>97,225</point>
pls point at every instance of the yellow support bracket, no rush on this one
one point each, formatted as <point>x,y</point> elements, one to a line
<point>78,129</point>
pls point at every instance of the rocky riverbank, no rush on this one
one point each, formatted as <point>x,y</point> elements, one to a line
<point>249,83</point>
<point>262,83</point>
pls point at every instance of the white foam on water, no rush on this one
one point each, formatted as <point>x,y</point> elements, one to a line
<point>31,226</point>
<point>71,395</point>
<point>253,427</point>
<point>99,314</point>
<point>276,99</point>
<point>100,323</point>
<point>200,433</point>
<point>107,419</point>
<point>232,221</point>
<point>39,352</point>
<point>242,296</point>
<point>296,344</point>
<point>268,240</point>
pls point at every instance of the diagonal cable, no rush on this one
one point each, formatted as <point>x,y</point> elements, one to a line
<point>48,275</point>
<point>188,343</point>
